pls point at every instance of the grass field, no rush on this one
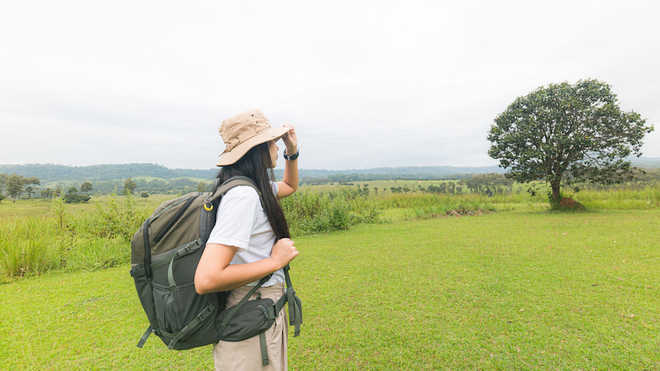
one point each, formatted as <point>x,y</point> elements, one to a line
<point>43,207</point>
<point>520,289</point>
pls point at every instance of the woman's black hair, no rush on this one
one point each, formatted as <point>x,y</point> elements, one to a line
<point>255,164</point>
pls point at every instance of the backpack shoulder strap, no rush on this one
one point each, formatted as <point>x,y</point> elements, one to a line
<point>230,183</point>
<point>208,216</point>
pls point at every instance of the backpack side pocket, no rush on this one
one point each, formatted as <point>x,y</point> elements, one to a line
<point>254,317</point>
<point>145,292</point>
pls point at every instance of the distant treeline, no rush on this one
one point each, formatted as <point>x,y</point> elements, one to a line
<point>48,181</point>
<point>18,187</point>
<point>345,178</point>
<point>98,173</point>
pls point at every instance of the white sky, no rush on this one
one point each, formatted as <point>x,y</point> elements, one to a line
<point>366,83</point>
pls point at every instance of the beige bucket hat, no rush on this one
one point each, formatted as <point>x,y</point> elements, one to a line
<point>244,131</point>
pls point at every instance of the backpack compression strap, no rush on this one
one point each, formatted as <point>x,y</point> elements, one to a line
<point>295,304</point>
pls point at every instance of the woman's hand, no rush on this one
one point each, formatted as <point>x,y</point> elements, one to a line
<point>290,140</point>
<point>283,252</point>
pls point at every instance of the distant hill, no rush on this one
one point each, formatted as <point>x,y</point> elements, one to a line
<point>55,173</point>
<point>413,172</point>
<point>647,162</point>
<point>49,173</point>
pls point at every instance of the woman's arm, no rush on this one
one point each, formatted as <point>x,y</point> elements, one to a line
<point>289,183</point>
<point>214,273</point>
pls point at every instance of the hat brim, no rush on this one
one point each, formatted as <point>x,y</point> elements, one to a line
<point>228,158</point>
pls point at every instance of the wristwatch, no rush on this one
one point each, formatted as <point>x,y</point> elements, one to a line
<point>291,157</point>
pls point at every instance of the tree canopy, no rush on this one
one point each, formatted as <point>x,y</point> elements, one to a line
<point>129,186</point>
<point>15,184</point>
<point>566,133</point>
<point>86,187</point>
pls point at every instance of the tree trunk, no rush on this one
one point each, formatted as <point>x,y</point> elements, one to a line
<point>555,191</point>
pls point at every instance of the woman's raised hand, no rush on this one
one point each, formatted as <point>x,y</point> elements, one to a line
<point>290,140</point>
<point>283,252</point>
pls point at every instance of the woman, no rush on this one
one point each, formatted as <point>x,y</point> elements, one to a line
<point>250,241</point>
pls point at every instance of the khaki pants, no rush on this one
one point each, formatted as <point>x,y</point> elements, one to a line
<point>246,354</point>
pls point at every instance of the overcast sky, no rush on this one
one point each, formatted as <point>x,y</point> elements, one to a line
<point>365,83</point>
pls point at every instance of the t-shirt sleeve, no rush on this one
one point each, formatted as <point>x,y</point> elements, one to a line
<point>274,185</point>
<point>235,218</point>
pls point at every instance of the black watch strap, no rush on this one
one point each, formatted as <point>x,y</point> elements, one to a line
<point>291,157</point>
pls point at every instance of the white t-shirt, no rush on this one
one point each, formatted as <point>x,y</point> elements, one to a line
<point>242,222</point>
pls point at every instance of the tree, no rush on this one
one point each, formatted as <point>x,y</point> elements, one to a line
<point>567,133</point>
<point>485,182</point>
<point>86,187</point>
<point>28,182</point>
<point>15,186</point>
<point>31,180</point>
<point>129,186</point>
<point>47,193</point>
<point>3,182</point>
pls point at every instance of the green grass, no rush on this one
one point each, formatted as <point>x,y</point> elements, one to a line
<point>42,207</point>
<point>79,236</point>
<point>507,290</point>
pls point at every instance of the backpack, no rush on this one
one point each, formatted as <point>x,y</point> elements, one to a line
<point>165,252</point>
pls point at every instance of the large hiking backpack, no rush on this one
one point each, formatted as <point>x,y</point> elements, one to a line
<point>165,252</point>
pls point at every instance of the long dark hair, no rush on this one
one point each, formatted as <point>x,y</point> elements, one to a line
<point>255,165</point>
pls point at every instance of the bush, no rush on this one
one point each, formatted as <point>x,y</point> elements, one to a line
<point>97,253</point>
<point>309,212</point>
<point>73,197</point>
<point>57,206</point>
<point>112,219</point>
<point>29,246</point>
